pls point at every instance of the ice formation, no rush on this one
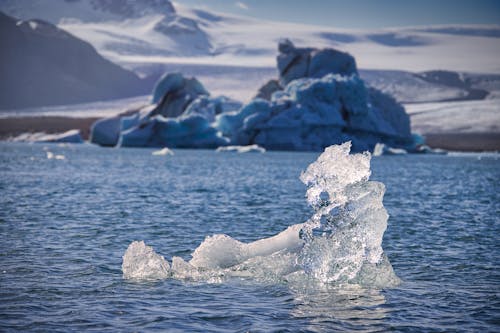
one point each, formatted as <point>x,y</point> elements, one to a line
<point>163,152</point>
<point>181,116</point>
<point>318,101</point>
<point>242,149</point>
<point>296,63</point>
<point>310,114</point>
<point>340,243</point>
<point>142,263</point>
<point>52,156</point>
<point>382,149</point>
<point>173,93</point>
<point>71,136</point>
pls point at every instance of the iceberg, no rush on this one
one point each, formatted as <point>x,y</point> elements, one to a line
<point>310,114</point>
<point>105,132</point>
<point>182,118</point>
<point>341,243</point>
<point>323,102</point>
<point>190,131</point>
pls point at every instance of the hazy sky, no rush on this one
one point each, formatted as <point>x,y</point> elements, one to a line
<point>362,13</point>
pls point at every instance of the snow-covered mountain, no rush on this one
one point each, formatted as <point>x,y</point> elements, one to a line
<point>234,55</point>
<point>134,33</point>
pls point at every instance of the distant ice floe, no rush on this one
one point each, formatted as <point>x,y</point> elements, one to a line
<point>163,152</point>
<point>341,243</point>
<point>382,149</point>
<point>242,149</point>
<point>52,156</point>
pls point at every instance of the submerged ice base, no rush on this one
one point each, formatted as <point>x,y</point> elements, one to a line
<point>341,242</point>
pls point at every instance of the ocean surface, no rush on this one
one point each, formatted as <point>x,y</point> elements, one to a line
<point>66,223</point>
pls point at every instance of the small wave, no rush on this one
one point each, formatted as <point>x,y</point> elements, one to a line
<point>340,244</point>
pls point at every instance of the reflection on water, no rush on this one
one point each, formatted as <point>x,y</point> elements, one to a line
<point>340,308</point>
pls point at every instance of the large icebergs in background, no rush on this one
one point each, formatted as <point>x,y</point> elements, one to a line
<point>318,101</point>
<point>180,116</point>
<point>317,110</point>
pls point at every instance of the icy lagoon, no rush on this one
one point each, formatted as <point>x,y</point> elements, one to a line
<point>66,224</point>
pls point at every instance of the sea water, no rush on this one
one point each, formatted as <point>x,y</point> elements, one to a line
<point>66,224</point>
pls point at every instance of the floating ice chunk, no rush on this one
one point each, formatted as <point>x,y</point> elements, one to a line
<point>340,243</point>
<point>51,155</point>
<point>242,149</point>
<point>163,152</point>
<point>142,262</point>
<point>383,149</point>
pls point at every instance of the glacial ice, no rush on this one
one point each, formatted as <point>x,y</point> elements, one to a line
<point>181,119</point>
<point>162,152</point>
<point>52,156</point>
<point>71,136</point>
<point>105,132</point>
<point>323,102</point>
<point>295,63</point>
<point>173,93</point>
<point>341,242</point>
<point>310,114</point>
<point>182,132</point>
<point>241,149</point>
<point>142,262</point>
<point>382,149</point>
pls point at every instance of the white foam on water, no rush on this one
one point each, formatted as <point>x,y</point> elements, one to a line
<point>340,244</point>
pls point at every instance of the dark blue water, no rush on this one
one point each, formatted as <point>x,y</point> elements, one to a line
<point>65,224</point>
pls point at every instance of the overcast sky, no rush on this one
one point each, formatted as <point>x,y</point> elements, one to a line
<point>361,13</point>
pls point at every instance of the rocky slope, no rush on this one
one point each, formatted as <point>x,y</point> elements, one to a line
<point>41,64</point>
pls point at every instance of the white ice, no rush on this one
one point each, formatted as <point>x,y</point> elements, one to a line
<point>163,152</point>
<point>340,243</point>
<point>242,149</point>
